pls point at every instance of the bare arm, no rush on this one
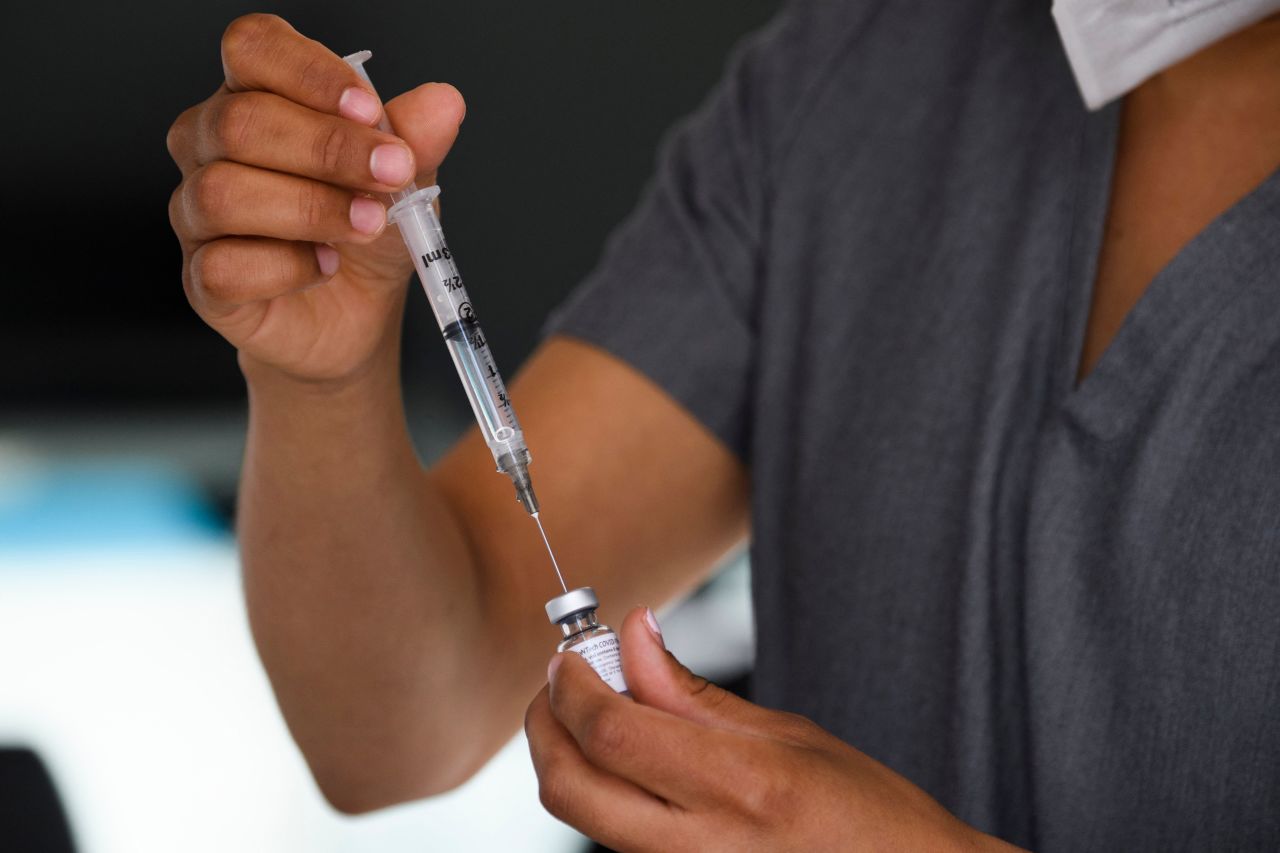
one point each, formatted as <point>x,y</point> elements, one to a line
<point>353,570</point>
<point>398,611</point>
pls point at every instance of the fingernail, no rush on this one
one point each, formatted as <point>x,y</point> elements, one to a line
<point>327,256</point>
<point>391,164</point>
<point>367,216</point>
<point>654,628</point>
<point>553,666</point>
<point>358,105</point>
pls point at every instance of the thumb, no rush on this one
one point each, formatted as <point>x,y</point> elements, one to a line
<point>428,118</point>
<point>657,679</point>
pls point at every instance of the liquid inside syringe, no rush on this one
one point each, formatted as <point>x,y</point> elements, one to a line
<point>413,212</point>
<point>468,346</point>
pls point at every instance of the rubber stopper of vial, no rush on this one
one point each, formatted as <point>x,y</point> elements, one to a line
<point>574,601</point>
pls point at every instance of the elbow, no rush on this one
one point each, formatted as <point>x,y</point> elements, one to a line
<point>353,801</point>
<point>361,788</point>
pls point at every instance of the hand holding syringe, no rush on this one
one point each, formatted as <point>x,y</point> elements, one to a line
<point>413,212</point>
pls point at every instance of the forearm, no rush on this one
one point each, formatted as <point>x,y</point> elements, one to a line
<point>403,644</point>
<point>359,585</point>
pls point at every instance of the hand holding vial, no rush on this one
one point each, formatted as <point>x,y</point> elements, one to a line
<point>684,765</point>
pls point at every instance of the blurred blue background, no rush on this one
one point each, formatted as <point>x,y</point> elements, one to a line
<point>134,715</point>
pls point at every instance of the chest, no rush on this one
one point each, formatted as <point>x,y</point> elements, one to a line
<point>1181,160</point>
<point>958,547</point>
<point>990,540</point>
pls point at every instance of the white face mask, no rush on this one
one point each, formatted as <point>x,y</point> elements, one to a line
<point>1114,45</point>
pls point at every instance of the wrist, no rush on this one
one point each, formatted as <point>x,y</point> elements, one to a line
<point>306,428</point>
<point>375,374</point>
<point>362,405</point>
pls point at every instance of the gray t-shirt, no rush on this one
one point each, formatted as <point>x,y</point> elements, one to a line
<point>865,265</point>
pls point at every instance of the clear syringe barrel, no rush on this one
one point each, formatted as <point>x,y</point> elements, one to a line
<point>420,227</point>
<point>414,214</point>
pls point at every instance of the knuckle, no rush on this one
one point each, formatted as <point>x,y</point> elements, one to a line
<point>765,797</point>
<point>554,792</point>
<point>795,727</point>
<point>606,733</point>
<point>176,221</point>
<point>332,148</point>
<point>212,273</point>
<point>175,140</point>
<point>172,141</point>
<point>188,285</point>
<point>209,191</point>
<point>315,77</point>
<point>234,120</point>
<point>243,35</point>
<point>704,689</point>
<point>314,207</point>
<point>529,717</point>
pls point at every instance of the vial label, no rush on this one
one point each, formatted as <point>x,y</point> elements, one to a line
<point>605,658</point>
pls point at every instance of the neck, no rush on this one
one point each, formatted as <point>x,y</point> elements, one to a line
<point>1239,72</point>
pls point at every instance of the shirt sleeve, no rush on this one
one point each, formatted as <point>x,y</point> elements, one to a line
<point>675,293</point>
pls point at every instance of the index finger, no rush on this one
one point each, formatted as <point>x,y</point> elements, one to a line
<point>263,52</point>
<point>599,804</point>
<point>681,761</point>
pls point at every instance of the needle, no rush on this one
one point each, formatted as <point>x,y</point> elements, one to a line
<point>550,553</point>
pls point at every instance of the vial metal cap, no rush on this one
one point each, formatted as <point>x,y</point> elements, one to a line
<point>574,601</point>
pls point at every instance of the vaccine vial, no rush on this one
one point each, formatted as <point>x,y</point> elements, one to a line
<point>575,613</point>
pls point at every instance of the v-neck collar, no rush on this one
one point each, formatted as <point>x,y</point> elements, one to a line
<point>1179,301</point>
<point>1095,166</point>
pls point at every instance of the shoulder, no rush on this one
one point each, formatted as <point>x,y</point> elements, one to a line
<point>819,61</point>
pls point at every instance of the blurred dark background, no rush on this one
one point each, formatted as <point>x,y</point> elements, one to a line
<point>566,102</point>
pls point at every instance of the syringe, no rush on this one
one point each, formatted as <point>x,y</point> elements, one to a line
<point>413,212</point>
